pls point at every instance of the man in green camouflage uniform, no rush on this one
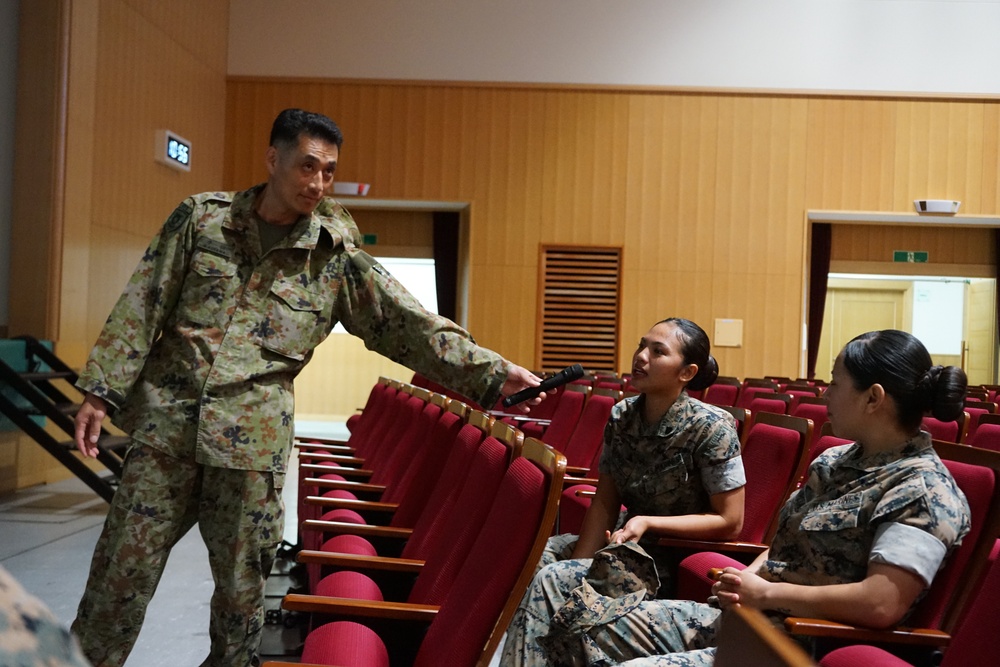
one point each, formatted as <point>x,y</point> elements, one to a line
<point>196,363</point>
<point>857,511</point>
<point>30,635</point>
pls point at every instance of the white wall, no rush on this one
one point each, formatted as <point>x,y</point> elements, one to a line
<point>936,46</point>
<point>8,94</point>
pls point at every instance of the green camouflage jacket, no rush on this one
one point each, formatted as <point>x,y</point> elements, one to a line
<point>199,354</point>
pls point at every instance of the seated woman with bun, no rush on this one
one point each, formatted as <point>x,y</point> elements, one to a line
<point>673,461</point>
<point>859,543</point>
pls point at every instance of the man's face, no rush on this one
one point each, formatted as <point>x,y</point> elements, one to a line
<point>300,176</point>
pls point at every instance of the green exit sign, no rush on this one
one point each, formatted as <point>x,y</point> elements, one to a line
<point>918,256</point>
<point>372,239</point>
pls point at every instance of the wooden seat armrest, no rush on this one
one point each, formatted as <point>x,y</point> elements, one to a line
<point>320,604</point>
<point>711,545</point>
<point>325,447</point>
<point>359,562</point>
<point>359,473</point>
<point>361,529</point>
<point>519,416</point>
<point>570,481</point>
<point>577,471</point>
<point>344,485</point>
<point>336,458</point>
<point>323,440</point>
<point>352,504</point>
<point>816,627</point>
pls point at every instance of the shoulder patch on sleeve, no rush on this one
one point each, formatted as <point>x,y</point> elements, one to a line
<point>177,219</point>
<point>365,262</point>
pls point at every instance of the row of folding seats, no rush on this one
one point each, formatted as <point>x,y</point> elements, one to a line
<point>767,450</point>
<point>802,400</point>
<point>440,500</point>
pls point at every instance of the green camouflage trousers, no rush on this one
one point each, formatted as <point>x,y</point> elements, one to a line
<point>239,514</point>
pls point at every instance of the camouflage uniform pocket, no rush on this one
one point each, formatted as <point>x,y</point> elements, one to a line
<point>839,515</point>
<point>295,320</point>
<point>668,478</point>
<point>208,290</point>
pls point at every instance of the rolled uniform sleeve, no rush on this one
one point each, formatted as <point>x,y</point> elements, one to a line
<point>918,524</point>
<point>724,476</point>
<point>375,307</point>
<point>719,458</point>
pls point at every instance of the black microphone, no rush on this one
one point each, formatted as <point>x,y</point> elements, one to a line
<point>567,374</point>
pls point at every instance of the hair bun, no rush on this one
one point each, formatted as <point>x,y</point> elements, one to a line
<point>706,376</point>
<point>942,389</point>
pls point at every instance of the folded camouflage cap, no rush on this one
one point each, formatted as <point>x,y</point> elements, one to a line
<point>620,578</point>
<point>623,569</point>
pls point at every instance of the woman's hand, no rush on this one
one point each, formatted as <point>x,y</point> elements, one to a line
<point>736,587</point>
<point>632,531</point>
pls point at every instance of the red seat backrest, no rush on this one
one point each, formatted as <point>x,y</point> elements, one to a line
<point>977,636</point>
<point>974,415</point>
<point>419,480</point>
<point>987,436</point>
<point>464,623</point>
<point>445,548</point>
<point>409,447</point>
<point>814,411</point>
<point>775,405</point>
<point>589,432</point>
<point>749,393</point>
<point>721,394</point>
<point>449,485</point>
<point>977,483</point>
<point>564,421</point>
<point>823,443</point>
<point>939,430</point>
<point>771,456</point>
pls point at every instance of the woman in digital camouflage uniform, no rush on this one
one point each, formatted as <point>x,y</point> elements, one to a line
<point>673,461</point>
<point>859,543</point>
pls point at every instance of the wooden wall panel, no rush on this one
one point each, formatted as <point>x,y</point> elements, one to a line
<point>336,382</point>
<point>399,233</point>
<point>103,76</point>
<point>155,69</point>
<point>705,193</point>
<point>990,183</point>
<point>939,153</point>
<point>38,170</point>
<point>871,243</point>
<point>199,27</point>
<point>141,73</point>
<point>851,152</point>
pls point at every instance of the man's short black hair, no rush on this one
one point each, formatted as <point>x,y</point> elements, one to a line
<point>293,123</point>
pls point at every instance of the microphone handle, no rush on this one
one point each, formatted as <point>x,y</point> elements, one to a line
<point>562,377</point>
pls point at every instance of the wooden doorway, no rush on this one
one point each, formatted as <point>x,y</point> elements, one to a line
<point>959,245</point>
<point>853,308</point>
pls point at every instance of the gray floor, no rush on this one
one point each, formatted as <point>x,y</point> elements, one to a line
<point>48,535</point>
